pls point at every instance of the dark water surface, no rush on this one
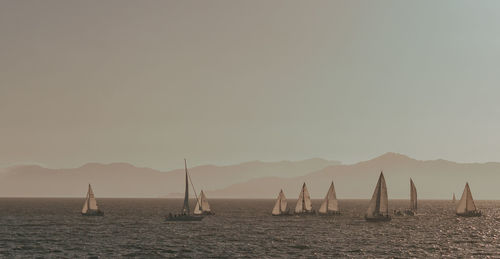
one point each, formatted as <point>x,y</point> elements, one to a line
<point>241,228</point>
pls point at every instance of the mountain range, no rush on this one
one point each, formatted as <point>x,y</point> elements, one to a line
<point>126,180</point>
<point>434,179</point>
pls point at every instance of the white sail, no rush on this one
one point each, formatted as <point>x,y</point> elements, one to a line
<point>330,203</point>
<point>379,204</point>
<point>413,196</point>
<point>466,203</point>
<point>85,205</point>
<point>202,204</point>
<point>90,201</point>
<point>304,203</point>
<point>280,205</point>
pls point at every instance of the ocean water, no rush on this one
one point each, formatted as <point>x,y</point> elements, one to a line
<point>240,228</point>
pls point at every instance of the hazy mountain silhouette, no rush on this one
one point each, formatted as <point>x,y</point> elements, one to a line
<point>434,179</point>
<point>125,180</point>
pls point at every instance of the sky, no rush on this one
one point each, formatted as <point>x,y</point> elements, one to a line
<point>223,82</point>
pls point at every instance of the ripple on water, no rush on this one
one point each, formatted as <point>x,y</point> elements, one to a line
<point>241,228</point>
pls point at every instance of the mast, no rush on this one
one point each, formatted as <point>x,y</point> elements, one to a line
<point>303,198</point>
<point>194,190</point>
<point>88,197</point>
<point>379,192</point>
<point>466,196</point>
<point>327,201</point>
<point>279,200</point>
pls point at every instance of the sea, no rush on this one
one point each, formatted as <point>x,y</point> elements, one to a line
<point>54,228</point>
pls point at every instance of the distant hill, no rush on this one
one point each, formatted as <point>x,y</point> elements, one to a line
<point>126,180</point>
<point>435,179</point>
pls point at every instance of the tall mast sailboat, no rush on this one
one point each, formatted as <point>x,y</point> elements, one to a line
<point>202,207</point>
<point>413,200</point>
<point>90,206</point>
<point>378,210</point>
<point>281,206</point>
<point>185,214</point>
<point>466,206</point>
<point>330,204</point>
<point>304,204</point>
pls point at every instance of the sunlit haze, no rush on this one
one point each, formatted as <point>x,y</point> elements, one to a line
<point>223,82</point>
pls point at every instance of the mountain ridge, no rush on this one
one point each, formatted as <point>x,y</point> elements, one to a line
<point>126,180</point>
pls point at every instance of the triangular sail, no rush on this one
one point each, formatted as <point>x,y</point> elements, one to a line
<point>454,199</point>
<point>90,201</point>
<point>280,205</point>
<point>413,196</point>
<point>185,207</point>
<point>379,204</point>
<point>202,204</point>
<point>304,203</point>
<point>466,203</point>
<point>330,203</point>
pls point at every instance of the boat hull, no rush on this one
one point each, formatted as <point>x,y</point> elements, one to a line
<point>330,213</point>
<point>378,218</point>
<point>93,213</point>
<point>475,213</point>
<point>184,218</point>
<point>409,213</point>
<point>282,215</point>
<point>305,213</point>
<point>206,213</point>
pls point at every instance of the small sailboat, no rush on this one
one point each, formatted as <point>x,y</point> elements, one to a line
<point>185,214</point>
<point>466,206</point>
<point>280,207</point>
<point>413,200</point>
<point>304,204</point>
<point>454,199</point>
<point>202,207</point>
<point>90,206</point>
<point>378,210</point>
<point>330,205</point>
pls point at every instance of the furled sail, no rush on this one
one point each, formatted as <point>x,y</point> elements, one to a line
<point>304,203</point>
<point>330,203</point>
<point>466,203</point>
<point>413,196</point>
<point>280,205</point>
<point>90,202</point>
<point>202,204</point>
<point>379,204</point>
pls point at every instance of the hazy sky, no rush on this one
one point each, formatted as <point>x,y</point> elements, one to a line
<point>220,82</point>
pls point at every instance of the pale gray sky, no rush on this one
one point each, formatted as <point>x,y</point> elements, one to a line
<point>220,82</point>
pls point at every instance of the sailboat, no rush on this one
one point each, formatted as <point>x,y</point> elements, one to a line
<point>330,204</point>
<point>413,200</point>
<point>378,210</point>
<point>90,206</point>
<point>202,207</point>
<point>304,204</point>
<point>466,206</point>
<point>185,214</point>
<point>454,199</point>
<point>280,207</point>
